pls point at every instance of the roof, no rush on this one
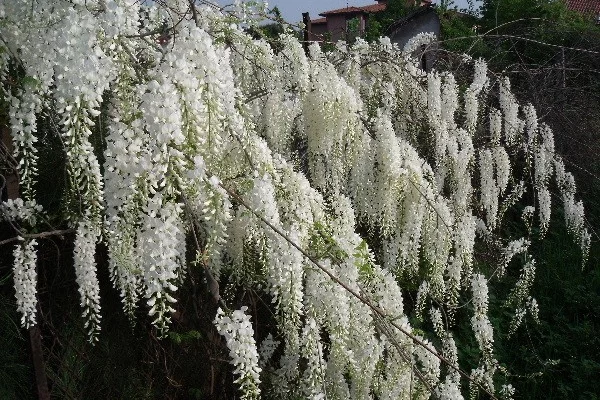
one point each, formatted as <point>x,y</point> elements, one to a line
<point>318,21</point>
<point>584,6</point>
<point>355,10</point>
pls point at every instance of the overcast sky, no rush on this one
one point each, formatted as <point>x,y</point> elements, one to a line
<point>292,9</point>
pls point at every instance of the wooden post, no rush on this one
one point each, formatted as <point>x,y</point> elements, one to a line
<point>39,367</point>
<point>564,75</point>
<point>307,30</point>
<point>11,181</point>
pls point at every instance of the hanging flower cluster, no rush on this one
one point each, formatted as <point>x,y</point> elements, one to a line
<point>325,181</point>
<point>25,272</point>
<point>19,211</point>
<point>239,335</point>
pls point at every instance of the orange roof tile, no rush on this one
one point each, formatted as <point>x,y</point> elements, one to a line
<point>373,8</point>
<point>353,10</point>
<point>319,21</point>
<point>584,6</point>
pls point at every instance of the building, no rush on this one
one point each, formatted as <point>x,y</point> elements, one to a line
<point>590,8</point>
<point>423,19</point>
<point>336,24</point>
<point>343,23</point>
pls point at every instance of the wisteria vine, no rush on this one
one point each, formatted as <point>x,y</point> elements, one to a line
<point>287,154</point>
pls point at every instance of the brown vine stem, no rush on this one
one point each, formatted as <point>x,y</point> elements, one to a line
<point>194,12</point>
<point>37,235</point>
<point>354,293</point>
<point>213,285</point>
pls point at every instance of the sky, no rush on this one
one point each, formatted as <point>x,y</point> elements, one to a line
<point>292,9</point>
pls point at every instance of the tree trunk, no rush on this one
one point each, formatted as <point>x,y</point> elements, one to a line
<point>10,183</point>
<point>39,366</point>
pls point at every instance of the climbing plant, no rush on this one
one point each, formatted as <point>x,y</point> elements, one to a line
<point>364,198</point>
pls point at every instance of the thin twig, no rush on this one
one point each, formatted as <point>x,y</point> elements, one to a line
<point>194,13</point>
<point>390,335</point>
<point>3,183</point>
<point>150,33</point>
<point>213,285</point>
<point>38,235</point>
<point>520,38</point>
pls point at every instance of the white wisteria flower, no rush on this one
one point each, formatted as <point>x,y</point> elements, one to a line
<point>25,276</point>
<point>237,330</point>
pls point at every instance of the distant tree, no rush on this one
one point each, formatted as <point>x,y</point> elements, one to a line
<point>378,23</point>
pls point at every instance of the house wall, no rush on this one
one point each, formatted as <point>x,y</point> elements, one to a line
<point>429,22</point>
<point>336,25</point>
<point>318,32</point>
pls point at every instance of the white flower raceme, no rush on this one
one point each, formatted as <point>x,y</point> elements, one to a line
<point>481,324</point>
<point>480,81</point>
<point>331,121</point>
<point>23,119</point>
<point>25,272</point>
<point>507,391</point>
<point>519,295</point>
<point>285,271</point>
<point>545,207</point>
<point>211,208</point>
<point>237,330</point>
<point>495,126</point>
<point>449,100</point>
<point>312,349</point>
<point>161,248</point>
<point>449,390</point>
<point>388,176</point>
<point>489,188</point>
<point>513,248</point>
<point>17,210</point>
<point>121,17</point>
<point>464,241</point>
<point>531,126</point>
<point>85,275</point>
<point>502,164</point>
<point>527,216</point>
<point>510,109</point>
<point>450,352</point>
<point>266,350</point>
<point>460,154</point>
<point>434,111</point>
<point>430,363</point>
<point>416,42</point>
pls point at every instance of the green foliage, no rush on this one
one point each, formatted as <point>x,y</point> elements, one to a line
<point>364,261</point>
<point>352,29</point>
<point>458,31</point>
<point>323,245</point>
<point>378,23</point>
<point>269,31</point>
<point>558,358</point>
<point>15,366</point>
<point>184,337</point>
